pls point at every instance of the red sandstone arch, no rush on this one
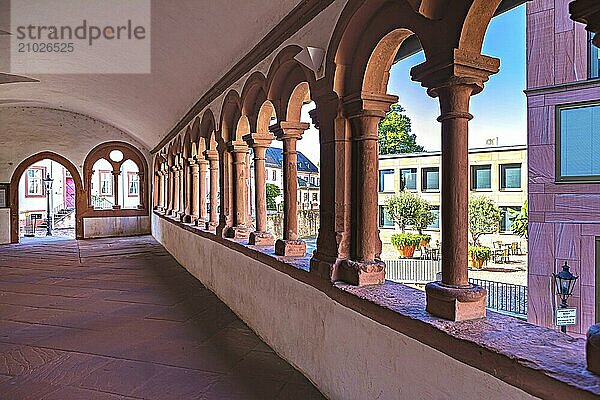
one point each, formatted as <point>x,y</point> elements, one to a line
<point>14,191</point>
<point>207,130</point>
<point>476,23</point>
<point>129,153</point>
<point>285,75</point>
<point>254,95</point>
<point>230,114</point>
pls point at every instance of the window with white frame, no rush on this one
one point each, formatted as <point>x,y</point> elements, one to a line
<point>386,180</point>
<point>35,183</point>
<point>106,183</point>
<point>133,183</point>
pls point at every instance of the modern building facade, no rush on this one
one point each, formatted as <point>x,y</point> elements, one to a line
<point>563,100</point>
<point>499,173</point>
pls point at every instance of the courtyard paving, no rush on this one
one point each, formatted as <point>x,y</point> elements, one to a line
<point>120,319</point>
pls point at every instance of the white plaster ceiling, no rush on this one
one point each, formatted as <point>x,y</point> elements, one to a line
<point>193,43</point>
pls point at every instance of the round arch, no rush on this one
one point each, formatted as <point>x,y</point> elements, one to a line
<point>14,191</point>
<point>129,152</point>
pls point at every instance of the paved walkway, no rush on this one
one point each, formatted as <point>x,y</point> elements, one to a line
<point>120,319</point>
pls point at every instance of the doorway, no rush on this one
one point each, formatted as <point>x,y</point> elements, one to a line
<point>45,192</point>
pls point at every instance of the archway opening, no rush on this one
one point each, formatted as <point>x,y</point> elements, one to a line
<point>47,202</point>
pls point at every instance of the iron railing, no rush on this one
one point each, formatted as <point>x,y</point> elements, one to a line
<point>412,270</point>
<point>506,298</point>
<point>101,202</point>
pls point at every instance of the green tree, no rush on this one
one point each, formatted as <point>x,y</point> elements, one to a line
<point>273,192</point>
<point>409,209</point>
<point>423,217</point>
<point>395,133</point>
<point>484,217</point>
<point>520,221</point>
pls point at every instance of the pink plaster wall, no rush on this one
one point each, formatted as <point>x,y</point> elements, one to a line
<point>564,219</point>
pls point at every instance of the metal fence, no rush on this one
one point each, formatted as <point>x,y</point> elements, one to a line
<point>505,298</point>
<point>409,270</point>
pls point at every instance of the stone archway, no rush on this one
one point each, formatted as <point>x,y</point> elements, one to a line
<point>14,191</point>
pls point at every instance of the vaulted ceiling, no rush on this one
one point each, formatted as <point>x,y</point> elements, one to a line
<point>193,43</point>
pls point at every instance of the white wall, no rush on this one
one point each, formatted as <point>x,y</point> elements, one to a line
<point>347,355</point>
<point>116,226</point>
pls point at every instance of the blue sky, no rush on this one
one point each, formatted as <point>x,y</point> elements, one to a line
<point>500,111</point>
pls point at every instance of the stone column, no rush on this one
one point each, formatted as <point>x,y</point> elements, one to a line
<point>192,187</point>
<point>165,187</point>
<point>240,229</point>
<point>116,174</point>
<point>158,189</point>
<point>364,267</point>
<point>453,297</point>
<point>332,177</point>
<point>175,210</point>
<point>259,144</point>
<point>182,189</point>
<point>142,189</point>
<point>213,161</point>
<point>290,133</point>
<point>201,179</point>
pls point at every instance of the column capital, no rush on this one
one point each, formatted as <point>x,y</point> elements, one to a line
<point>587,12</point>
<point>211,155</point>
<point>367,104</point>
<point>256,140</point>
<point>470,69</point>
<point>237,146</point>
<point>289,129</point>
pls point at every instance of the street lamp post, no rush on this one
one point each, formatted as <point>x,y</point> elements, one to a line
<point>48,184</point>
<point>565,283</point>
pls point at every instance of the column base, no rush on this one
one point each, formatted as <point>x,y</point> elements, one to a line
<point>290,248</point>
<point>210,226</point>
<point>361,273</point>
<point>200,222</point>
<point>116,207</point>
<point>321,267</point>
<point>592,349</point>
<point>188,219</point>
<point>455,304</point>
<point>261,239</point>
<point>237,232</point>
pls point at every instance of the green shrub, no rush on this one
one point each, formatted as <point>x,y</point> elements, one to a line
<point>480,253</point>
<point>425,238</point>
<point>405,239</point>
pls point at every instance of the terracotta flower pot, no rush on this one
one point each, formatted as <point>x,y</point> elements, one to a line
<point>476,263</point>
<point>407,251</point>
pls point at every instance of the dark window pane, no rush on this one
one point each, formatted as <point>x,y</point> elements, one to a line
<point>482,177</point>
<point>409,176</point>
<point>506,223</point>
<point>511,176</point>
<point>436,223</point>
<point>384,221</point>
<point>580,141</point>
<point>431,179</point>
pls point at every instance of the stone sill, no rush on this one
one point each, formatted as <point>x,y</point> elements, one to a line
<point>540,361</point>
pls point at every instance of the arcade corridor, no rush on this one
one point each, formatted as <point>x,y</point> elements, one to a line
<point>119,318</point>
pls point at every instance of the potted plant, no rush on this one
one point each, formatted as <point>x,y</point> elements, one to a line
<point>479,255</point>
<point>425,239</point>
<point>406,243</point>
